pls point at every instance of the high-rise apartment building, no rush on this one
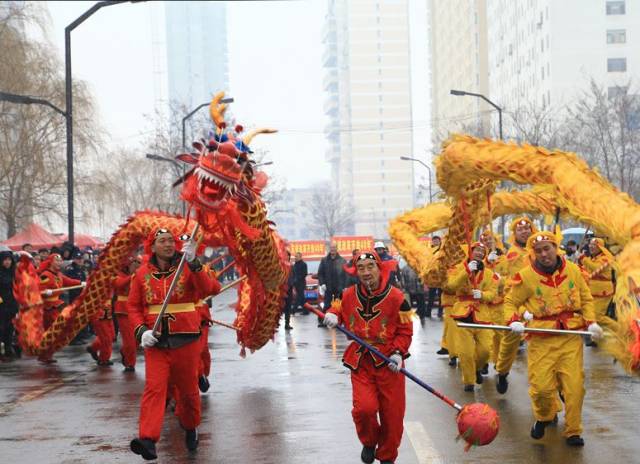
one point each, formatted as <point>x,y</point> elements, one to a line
<point>368,87</point>
<point>196,43</point>
<point>459,61</point>
<point>545,52</point>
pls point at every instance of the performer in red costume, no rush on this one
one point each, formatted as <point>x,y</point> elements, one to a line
<point>377,312</point>
<point>205,355</point>
<point>102,347</point>
<point>174,355</point>
<point>121,286</point>
<point>51,280</point>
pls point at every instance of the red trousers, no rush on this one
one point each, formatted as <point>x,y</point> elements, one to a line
<point>378,392</point>
<point>105,333</point>
<point>129,345</point>
<point>205,355</point>
<point>178,366</point>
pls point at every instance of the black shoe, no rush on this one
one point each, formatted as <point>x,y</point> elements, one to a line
<point>191,439</point>
<point>287,327</point>
<point>479,378</point>
<point>537,430</point>
<point>453,362</point>
<point>144,447</point>
<point>502,384</point>
<point>575,440</point>
<point>47,360</point>
<point>129,369</point>
<point>93,354</point>
<point>468,388</point>
<point>203,383</point>
<point>442,351</point>
<point>386,462</point>
<point>105,363</point>
<point>485,370</point>
<point>368,454</point>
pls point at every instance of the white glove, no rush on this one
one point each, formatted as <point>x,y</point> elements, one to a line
<point>83,284</point>
<point>473,265</point>
<point>477,294</point>
<point>189,250</point>
<point>47,293</point>
<point>527,316</point>
<point>396,362</point>
<point>493,257</point>
<point>517,327</point>
<point>322,289</point>
<point>23,253</point>
<point>148,340</point>
<point>596,331</point>
<point>330,320</point>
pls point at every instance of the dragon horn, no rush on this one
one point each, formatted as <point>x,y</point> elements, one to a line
<point>247,138</point>
<point>216,109</point>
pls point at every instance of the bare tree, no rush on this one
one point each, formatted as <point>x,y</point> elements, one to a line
<point>331,212</point>
<point>605,129</point>
<point>537,126</point>
<point>32,137</point>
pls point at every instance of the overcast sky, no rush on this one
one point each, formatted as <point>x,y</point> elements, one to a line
<point>275,68</point>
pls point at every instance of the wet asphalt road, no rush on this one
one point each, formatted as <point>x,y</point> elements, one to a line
<point>290,403</point>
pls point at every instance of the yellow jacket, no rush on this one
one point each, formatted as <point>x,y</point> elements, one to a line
<point>600,284</point>
<point>515,259</point>
<point>558,301</point>
<point>462,281</point>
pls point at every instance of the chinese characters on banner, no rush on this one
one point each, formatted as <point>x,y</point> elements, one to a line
<point>308,248</point>
<point>346,244</point>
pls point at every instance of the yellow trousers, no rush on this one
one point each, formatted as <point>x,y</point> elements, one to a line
<point>555,362</point>
<point>472,348</point>
<point>509,345</point>
<point>448,340</point>
<point>601,305</point>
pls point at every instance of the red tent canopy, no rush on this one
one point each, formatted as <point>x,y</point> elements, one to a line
<point>35,235</point>
<point>84,240</point>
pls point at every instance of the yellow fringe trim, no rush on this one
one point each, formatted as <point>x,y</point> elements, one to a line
<point>407,316</point>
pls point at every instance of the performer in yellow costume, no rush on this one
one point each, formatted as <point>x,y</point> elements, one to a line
<point>496,261</point>
<point>553,290</point>
<point>475,287</point>
<point>598,266</point>
<point>517,257</point>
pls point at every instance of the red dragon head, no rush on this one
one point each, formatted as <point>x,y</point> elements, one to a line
<point>222,171</point>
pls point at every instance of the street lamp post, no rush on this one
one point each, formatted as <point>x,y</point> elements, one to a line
<point>191,113</point>
<point>460,93</point>
<point>407,158</point>
<point>69,102</point>
<point>26,100</point>
<point>177,168</point>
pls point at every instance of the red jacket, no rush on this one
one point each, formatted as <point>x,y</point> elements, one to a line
<point>121,290</point>
<point>149,287</point>
<point>383,319</point>
<point>50,280</point>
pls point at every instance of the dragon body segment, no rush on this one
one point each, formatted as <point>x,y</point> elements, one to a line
<point>468,171</point>
<point>223,189</point>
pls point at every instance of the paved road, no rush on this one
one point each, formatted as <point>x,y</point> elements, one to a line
<point>290,403</point>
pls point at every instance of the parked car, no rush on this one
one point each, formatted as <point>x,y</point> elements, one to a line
<point>311,293</point>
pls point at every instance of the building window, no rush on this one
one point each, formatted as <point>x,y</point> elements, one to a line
<point>615,7</point>
<point>617,36</point>
<point>616,65</point>
<point>617,91</point>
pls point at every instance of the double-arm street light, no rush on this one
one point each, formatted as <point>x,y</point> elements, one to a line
<point>69,103</point>
<point>461,93</point>
<point>407,158</point>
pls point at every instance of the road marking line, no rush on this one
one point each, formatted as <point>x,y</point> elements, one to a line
<point>7,408</point>
<point>425,451</point>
